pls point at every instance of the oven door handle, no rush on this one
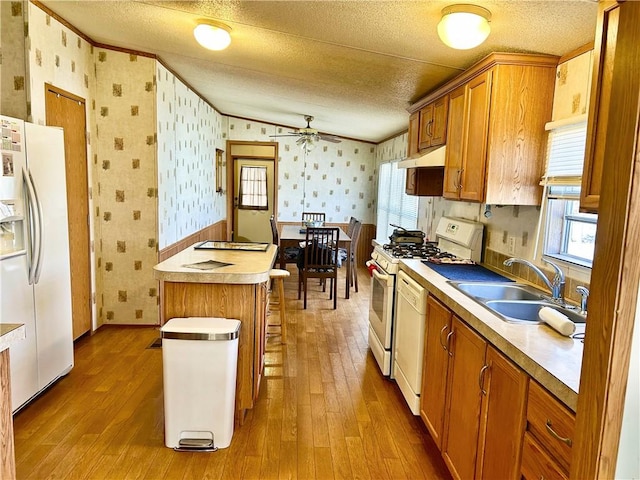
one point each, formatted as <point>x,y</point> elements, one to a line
<point>382,277</point>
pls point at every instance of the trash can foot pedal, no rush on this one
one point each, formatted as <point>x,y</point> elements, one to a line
<point>195,444</point>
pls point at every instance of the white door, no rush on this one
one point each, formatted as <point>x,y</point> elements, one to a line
<point>254,195</point>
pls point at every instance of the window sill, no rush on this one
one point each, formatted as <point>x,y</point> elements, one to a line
<point>572,261</point>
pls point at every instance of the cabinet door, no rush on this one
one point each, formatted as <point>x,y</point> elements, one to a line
<point>413,135</point>
<point>464,396</point>
<point>503,418</point>
<point>434,368</point>
<point>426,126</point>
<point>455,143</point>
<point>410,183</point>
<point>603,62</point>
<point>537,464</point>
<point>475,138</point>
<point>439,128</point>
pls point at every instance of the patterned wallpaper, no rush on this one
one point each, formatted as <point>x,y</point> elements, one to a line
<point>127,186</point>
<point>337,178</point>
<point>58,56</point>
<point>13,88</point>
<point>189,131</point>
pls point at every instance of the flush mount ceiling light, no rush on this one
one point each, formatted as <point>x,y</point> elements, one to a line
<point>464,26</point>
<point>212,35</point>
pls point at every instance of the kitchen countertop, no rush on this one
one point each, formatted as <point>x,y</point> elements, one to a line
<point>550,358</point>
<point>244,267</point>
<point>11,332</point>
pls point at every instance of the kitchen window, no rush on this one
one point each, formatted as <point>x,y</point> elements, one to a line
<point>394,205</point>
<point>253,188</point>
<point>569,235</point>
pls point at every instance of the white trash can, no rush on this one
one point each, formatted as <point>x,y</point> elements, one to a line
<point>200,361</point>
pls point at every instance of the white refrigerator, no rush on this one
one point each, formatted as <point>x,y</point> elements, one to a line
<point>35,277</point>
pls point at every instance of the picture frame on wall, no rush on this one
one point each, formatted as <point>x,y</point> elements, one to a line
<point>219,155</point>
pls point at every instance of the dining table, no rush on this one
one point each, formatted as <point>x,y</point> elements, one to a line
<point>292,235</point>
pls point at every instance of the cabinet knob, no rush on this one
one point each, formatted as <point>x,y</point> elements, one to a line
<point>481,379</point>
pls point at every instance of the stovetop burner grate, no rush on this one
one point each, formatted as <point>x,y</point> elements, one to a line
<point>424,251</point>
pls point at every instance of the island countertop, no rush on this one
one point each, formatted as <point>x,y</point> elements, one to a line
<point>9,333</point>
<point>237,266</point>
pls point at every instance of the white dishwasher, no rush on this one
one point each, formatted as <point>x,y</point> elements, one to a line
<point>411,307</point>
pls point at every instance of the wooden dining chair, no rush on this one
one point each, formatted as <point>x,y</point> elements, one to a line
<point>352,223</point>
<point>313,217</point>
<point>319,259</point>
<point>290,253</point>
<point>355,236</point>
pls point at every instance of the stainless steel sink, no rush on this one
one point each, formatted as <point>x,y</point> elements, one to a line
<point>513,302</point>
<point>527,310</point>
<point>484,291</point>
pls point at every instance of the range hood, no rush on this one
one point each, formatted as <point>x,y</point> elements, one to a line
<point>434,158</point>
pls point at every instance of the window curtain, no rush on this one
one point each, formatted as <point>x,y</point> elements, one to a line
<point>253,188</point>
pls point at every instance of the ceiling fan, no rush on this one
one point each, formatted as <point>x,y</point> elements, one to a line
<point>309,137</point>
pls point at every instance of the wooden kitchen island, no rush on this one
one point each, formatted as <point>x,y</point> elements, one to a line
<point>227,284</point>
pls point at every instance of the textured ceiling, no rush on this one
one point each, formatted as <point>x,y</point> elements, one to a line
<point>354,65</point>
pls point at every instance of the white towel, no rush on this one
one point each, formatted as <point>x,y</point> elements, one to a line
<point>557,320</point>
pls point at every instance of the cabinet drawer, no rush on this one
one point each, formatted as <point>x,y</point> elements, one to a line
<point>551,423</point>
<point>536,464</point>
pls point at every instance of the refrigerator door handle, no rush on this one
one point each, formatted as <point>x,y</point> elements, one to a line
<point>31,215</point>
<point>39,230</point>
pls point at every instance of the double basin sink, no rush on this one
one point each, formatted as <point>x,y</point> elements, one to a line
<point>514,302</point>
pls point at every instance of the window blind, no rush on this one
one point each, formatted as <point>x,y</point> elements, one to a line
<point>394,205</point>
<point>565,155</point>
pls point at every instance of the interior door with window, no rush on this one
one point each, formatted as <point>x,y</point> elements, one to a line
<point>253,196</point>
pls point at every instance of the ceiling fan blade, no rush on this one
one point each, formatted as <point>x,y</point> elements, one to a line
<point>286,135</point>
<point>330,138</point>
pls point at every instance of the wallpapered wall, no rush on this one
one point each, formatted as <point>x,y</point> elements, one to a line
<point>189,131</point>
<point>336,178</point>
<point>13,88</point>
<point>126,180</point>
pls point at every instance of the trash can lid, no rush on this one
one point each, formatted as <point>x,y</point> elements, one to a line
<point>201,328</point>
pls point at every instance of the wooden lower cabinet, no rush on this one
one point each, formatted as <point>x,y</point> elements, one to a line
<point>503,418</point>
<point>537,464</point>
<point>464,398</point>
<point>244,302</point>
<point>550,432</point>
<point>473,399</point>
<point>434,368</point>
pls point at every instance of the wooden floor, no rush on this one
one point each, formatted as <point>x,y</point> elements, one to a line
<point>324,409</point>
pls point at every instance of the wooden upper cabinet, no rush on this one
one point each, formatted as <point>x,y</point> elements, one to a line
<point>496,140</point>
<point>603,65</point>
<point>424,182</point>
<point>414,134</point>
<point>454,155</point>
<point>466,154</point>
<point>475,139</point>
<point>433,123</point>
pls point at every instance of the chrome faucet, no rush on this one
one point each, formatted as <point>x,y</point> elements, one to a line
<point>584,295</point>
<point>556,287</point>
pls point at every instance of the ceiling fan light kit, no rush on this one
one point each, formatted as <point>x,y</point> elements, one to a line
<point>464,26</point>
<point>212,35</point>
<point>309,137</point>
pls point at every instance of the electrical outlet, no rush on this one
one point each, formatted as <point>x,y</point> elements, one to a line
<point>511,245</point>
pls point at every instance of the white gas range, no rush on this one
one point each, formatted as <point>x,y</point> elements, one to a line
<point>459,240</point>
